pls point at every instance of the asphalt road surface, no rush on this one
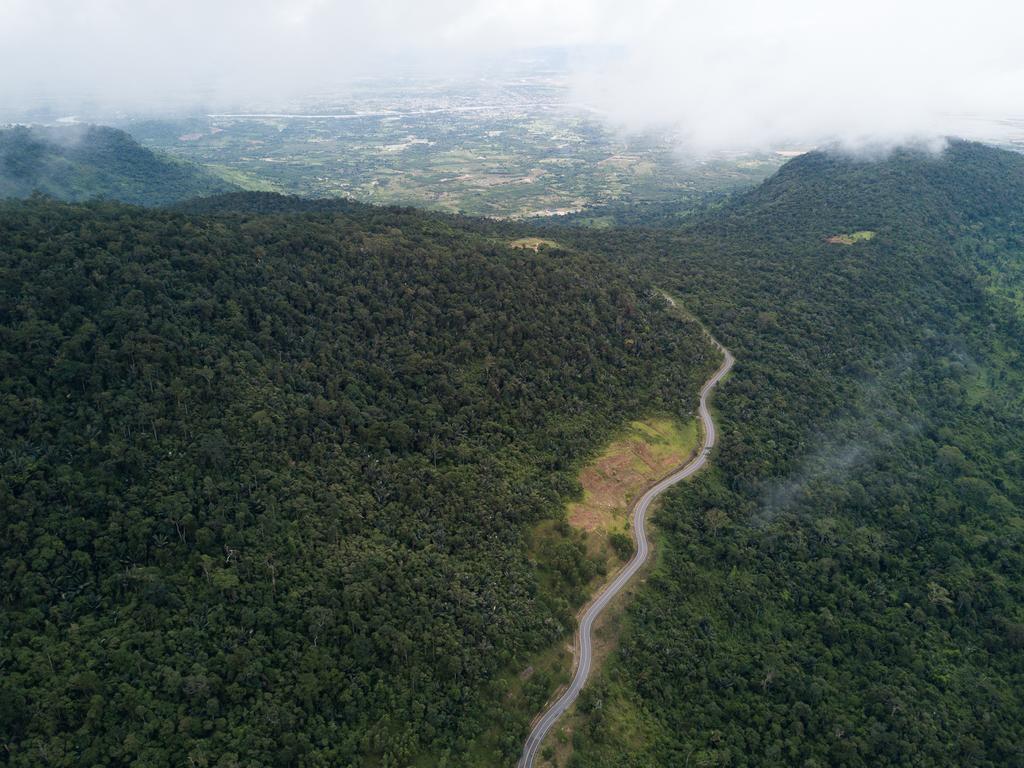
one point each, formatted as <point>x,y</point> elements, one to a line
<point>584,639</point>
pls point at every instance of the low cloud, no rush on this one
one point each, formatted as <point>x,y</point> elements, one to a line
<point>736,74</point>
<point>747,74</point>
<point>871,429</point>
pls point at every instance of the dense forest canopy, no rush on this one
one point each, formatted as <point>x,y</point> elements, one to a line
<point>269,464</point>
<point>84,162</point>
<point>845,586</point>
<point>266,476</point>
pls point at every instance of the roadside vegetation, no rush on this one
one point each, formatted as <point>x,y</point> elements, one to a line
<point>587,543</point>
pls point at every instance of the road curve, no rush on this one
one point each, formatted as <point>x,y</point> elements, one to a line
<point>584,634</point>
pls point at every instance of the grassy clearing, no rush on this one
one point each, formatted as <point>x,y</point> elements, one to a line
<point>246,181</point>
<point>598,222</point>
<point>643,452</point>
<point>533,243</point>
<point>852,237</point>
<point>609,709</point>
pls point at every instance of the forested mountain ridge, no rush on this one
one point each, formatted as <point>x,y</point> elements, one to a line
<point>265,477</point>
<point>273,202</point>
<point>83,162</point>
<point>845,586</point>
<point>964,181</point>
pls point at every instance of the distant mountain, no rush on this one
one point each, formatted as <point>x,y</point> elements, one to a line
<point>77,163</point>
<point>966,181</point>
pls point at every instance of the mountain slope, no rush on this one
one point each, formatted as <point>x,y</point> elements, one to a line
<point>845,586</point>
<point>965,181</point>
<point>83,162</point>
<point>266,477</point>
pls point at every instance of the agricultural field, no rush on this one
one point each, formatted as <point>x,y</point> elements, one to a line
<point>504,147</point>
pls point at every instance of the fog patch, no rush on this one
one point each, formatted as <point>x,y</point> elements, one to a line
<point>849,447</point>
<point>748,75</point>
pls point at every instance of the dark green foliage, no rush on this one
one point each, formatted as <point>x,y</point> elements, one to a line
<point>265,477</point>
<point>648,214</point>
<point>864,604</point>
<point>622,544</point>
<point>270,202</point>
<point>86,162</point>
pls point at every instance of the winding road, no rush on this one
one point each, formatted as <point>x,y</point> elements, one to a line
<point>584,644</point>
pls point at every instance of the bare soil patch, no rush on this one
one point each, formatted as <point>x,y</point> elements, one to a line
<point>648,451</point>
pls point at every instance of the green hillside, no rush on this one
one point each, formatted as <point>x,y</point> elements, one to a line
<point>266,477</point>
<point>270,463</point>
<point>79,163</point>
<point>864,604</point>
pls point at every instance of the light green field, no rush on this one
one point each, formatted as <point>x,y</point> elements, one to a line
<point>533,243</point>
<point>853,237</point>
<point>641,453</point>
<point>246,181</point>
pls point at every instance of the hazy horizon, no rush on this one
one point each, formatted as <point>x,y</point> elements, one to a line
<point>734,77</point>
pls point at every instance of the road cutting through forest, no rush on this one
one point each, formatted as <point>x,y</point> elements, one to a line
<point>584,634</point>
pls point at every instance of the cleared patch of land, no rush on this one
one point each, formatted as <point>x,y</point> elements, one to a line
<point>644,452</point>
<point>533,243</point>
<point>247,181</point>
<point>852,237</point>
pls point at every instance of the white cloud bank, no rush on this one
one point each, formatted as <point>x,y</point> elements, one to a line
<point>738,74</point>
<point>724,75</point>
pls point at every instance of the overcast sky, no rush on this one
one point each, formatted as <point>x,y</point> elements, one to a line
<point>724,74</point>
